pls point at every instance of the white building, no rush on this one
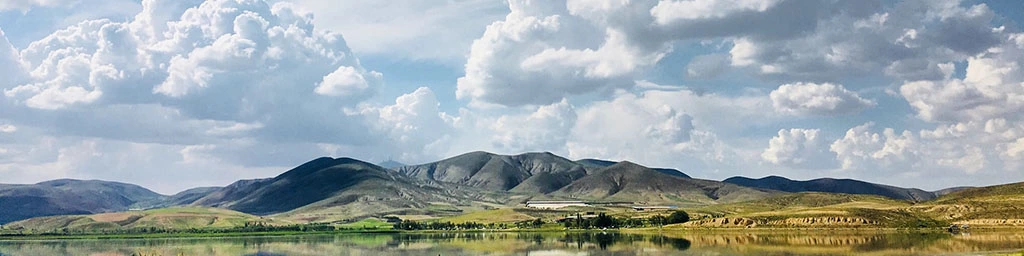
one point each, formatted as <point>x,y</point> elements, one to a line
<point>554,204</point>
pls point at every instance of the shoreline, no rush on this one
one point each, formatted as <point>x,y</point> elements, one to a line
<point>638,231</point>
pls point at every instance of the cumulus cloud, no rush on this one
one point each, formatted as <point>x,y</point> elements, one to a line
<point>416,128</point>
<point>799,148</point>
<point>973,148</point>
<point>817,99</point>
<point>232,61</point>
<point>546,129</point>
<point>863,149</point>
<point>991,88</point>
<point>540,53</point>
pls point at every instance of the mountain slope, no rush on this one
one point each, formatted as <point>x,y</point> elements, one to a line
<point>596,164</point>
<point>626,181</point>
<point>528,173</point>
<point>67,196</point>
<point>846,186</point>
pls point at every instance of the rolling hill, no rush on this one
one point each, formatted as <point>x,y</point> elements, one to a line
<point>626,181</point>
<point>68,196</point>
<point>845,186</point>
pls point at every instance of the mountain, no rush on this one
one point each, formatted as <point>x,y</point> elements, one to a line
<point>341,186</point>
<point>626,181</point>
<point>846,186</point>
<point>526,173</point>
<point>594,164</point>
<point>68,196</point>
<point>390,164</point>
<point>189,196</point>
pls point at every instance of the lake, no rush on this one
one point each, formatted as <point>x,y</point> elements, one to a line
<point>550,244</point>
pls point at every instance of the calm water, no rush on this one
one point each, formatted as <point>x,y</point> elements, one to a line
<point>540,244</point>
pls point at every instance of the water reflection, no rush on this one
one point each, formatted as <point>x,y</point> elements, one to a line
<point>559,243</point>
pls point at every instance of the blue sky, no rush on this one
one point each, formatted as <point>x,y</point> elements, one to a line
<point>922,94</point>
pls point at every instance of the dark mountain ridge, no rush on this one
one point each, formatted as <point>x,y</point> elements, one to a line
<point>845,186</point>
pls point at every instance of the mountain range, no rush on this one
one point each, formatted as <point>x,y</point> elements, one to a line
<point>330,189</point>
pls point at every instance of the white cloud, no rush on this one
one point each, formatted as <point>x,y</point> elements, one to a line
<point>545,129</point>
<point>540,54</point>
<point>817,99</point>
<point>799,148</point>
<point>647,130</point>
<point>981,149</point>
<point>993,87</point>
<point>345,81</point>
<point>865,150</point>
<point>6,128</point>
<point>244,62</point>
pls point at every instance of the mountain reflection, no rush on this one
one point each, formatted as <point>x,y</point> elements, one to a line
<point>540,243</point>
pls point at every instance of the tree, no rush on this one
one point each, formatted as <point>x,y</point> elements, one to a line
<point>678,217</point>
<point>537,223</point>
<point>658,220</point>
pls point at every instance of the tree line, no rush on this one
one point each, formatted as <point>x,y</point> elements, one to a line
<point>603,221</point>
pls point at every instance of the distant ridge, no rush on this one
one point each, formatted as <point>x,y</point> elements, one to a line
<point>627,181</point>
<point>846,186</point>
<point>591,163</point>
<point>70,196</point>
<point>533,172</point>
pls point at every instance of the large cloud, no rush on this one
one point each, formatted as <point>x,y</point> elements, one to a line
<point>993,87</point>
<point>817,99</point>
<point>799,148</point>
<point>981,149</point>
<point>546,50</point>
<point>232,61</point>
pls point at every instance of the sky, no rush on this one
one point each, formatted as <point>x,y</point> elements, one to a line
<point>173,94</point>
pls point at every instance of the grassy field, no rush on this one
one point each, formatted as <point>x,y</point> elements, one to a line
<point>166,218</point>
